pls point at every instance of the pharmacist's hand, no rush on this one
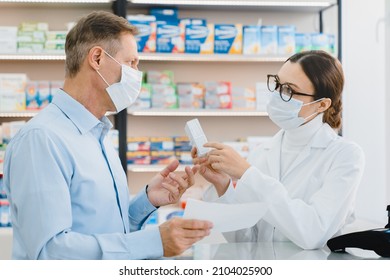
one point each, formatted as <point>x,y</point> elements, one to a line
<point>219,179</point>
<point>167,187</point>
<point>224,158</point>
<point>179,234</point>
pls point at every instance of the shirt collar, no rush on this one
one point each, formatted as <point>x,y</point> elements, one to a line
<point>83,119</point>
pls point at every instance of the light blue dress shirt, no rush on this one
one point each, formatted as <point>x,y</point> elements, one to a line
<point>68,191</point>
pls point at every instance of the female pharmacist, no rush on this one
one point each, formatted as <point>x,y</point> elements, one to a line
<point>307,174</point>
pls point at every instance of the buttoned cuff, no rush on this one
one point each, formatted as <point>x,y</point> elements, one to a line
<point>140,209</point>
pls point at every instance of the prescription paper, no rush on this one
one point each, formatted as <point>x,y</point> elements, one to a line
<point>225,217</point>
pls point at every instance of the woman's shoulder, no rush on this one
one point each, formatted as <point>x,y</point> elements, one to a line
<point>346,148</point>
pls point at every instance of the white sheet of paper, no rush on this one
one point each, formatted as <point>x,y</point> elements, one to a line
<point>225,217</point>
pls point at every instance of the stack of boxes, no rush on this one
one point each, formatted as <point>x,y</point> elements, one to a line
<point>199,36</point>
<point>158,150</point>
<point>5,213</point>
<point>160,92</point>
<point>191,95</point>
<point>31,37</point>
<point>40,93</point>
<point>162,31</point>
<point>144,150</point>
<point>17,93</point>
<point>218,95</point>
<point>8,39</point>
<point>12,92</point>
<point>35,37</point>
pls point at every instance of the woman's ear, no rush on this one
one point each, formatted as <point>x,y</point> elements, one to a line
<point>324,104</point>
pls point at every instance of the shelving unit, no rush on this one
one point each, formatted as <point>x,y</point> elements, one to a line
<point>23,114</point>
<point>196,113</point>
<point>241,70</point>
<point>5,231</point>
<point>279,5</point>
<point>150,168</point>
<point>154,57</point>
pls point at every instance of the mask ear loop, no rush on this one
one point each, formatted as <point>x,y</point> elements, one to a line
<point>315,101</point>
<point>102,77</point>
<point>112,57</point>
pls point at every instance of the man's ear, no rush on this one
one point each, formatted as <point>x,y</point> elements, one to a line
<point>95,56</point>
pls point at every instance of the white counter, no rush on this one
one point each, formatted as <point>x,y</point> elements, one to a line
<point>5,243</point>
<point>273,251</point>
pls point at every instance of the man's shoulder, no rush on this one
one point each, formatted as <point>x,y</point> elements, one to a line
<point>46,122</point>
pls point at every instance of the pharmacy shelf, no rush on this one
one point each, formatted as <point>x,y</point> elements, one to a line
<point>155,57</point>
<point>26,57</point>
<point>139,168</point>
<point>275,5</point>
<point>5,231</point>
<point>185,57</point>
<point>196,113</point>
<point>21,114</point>
<point>29,114</point>
<point>56,3</point>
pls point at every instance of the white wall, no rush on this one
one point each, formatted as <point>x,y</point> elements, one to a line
<point>366,120</point>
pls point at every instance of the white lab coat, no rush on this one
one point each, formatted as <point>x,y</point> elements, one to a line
<point>313,200</point>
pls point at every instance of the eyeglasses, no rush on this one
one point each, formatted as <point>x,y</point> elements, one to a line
<point>285,90</point>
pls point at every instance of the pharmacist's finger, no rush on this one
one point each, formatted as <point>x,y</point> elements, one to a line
<point>214,145</point>
<point>199,160</point>
<point>195,169</point>
<point>194,152</point>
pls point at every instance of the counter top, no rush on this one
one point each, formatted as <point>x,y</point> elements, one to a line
<point>274,251</point>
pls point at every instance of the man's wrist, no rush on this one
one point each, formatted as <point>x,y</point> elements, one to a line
<point>147,195</point>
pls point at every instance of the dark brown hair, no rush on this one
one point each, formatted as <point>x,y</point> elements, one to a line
<point>326,74</point>
<point>97,28</point>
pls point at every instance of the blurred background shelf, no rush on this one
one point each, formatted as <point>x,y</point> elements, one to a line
<point>196,113</point>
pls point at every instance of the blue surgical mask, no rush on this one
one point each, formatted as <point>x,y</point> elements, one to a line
<point>125,92</point>
<point>286,114</point>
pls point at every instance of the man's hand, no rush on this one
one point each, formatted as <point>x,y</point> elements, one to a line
<point>179,234</point>
<point>168,187</point>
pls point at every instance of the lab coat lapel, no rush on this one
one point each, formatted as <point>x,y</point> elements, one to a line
<point>320,140</point>
<point>273,155</point>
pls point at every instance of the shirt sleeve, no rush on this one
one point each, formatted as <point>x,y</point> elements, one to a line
<point>38,179</point>
<point>326,211</point>
<point>139,210</point>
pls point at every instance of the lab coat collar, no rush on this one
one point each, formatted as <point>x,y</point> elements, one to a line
<point>323,137</point>
<point>320,140</point>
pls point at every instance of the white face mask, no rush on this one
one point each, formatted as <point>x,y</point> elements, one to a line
<point>285,114</point>
<point>125,92</point>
